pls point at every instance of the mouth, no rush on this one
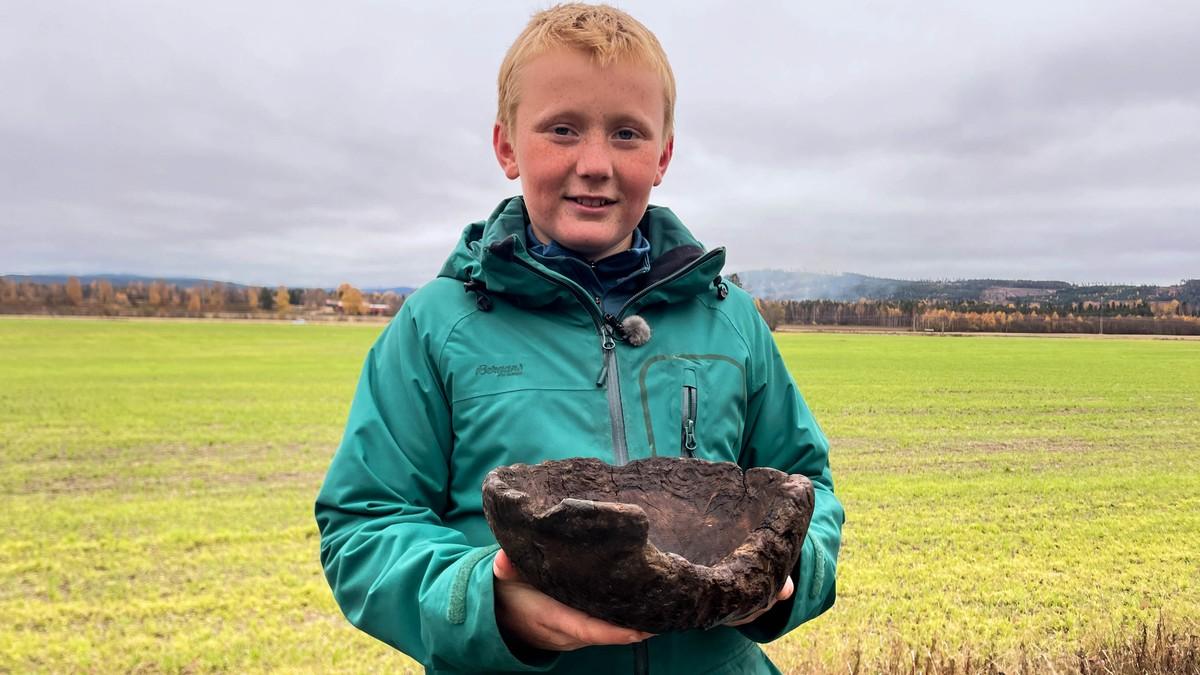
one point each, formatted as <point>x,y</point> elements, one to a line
<point>592,202</point>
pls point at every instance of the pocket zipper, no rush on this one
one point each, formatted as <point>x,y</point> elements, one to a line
<point>688,439</point>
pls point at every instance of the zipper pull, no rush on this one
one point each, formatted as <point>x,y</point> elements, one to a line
<point>689,438</point>
<point>607,344</point>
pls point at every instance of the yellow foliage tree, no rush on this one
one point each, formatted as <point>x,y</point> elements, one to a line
<point>352,300</point>
<point>282,301</point>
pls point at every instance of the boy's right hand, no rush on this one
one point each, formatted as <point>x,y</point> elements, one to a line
<point>540,621</point>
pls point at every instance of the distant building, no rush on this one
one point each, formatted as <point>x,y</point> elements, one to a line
<point>373,308</point>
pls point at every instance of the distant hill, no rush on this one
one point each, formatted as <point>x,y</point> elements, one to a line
<point>119,280</point>
<point>398,290</point>
<point>115,279</point>
<point>788,285</point>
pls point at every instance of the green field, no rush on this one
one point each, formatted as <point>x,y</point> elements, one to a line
<point>1004,495</point>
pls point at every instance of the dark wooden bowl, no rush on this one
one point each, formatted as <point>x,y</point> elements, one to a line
<point>658,544</point>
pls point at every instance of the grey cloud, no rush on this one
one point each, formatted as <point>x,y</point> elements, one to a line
<point>307,143</point>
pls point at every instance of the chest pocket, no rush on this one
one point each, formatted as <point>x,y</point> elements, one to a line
<point>510,407</point>
<point>693,405</point>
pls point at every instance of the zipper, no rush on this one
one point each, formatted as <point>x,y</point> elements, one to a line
<point>610,375</point>
<point>688,436</point>
<point>672,277</point>
<point>610,379</point>
<point>641,658</point>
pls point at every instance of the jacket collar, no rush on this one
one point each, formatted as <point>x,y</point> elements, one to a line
<point>494,252</point>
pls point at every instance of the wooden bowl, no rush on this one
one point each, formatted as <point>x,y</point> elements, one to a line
<point>658,544</point>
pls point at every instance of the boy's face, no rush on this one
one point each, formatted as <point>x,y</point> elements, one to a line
<point>587,143</point>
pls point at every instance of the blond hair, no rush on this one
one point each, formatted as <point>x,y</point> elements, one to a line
<point>607,34</point>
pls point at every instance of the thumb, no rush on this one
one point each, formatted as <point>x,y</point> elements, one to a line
<point>503,568</point>
<point>789,587</point>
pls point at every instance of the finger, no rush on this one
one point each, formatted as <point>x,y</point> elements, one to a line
<point>589,630</point>
<point>592,631</point>
<point>748,619</point>
<point>789,587</point>
<point>503,568</point>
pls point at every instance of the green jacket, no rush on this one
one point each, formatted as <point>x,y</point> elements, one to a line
<point>524,369</point>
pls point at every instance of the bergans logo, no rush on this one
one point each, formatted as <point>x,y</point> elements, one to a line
<point>501,370</point>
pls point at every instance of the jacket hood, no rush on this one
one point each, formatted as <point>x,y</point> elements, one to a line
<point>493,253</point>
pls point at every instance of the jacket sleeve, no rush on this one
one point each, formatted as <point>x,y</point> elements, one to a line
<point>397,572</point>
<point>781,433</point>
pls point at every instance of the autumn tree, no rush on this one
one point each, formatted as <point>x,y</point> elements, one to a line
<point>772,312</point>
<point>155,294</point>
<point>194,302</point>
<point>394,301</point>
<point>216,297</point>
<point>314,298</point>
<point>352,300</point>
<point>104,292</point>
<point>74,291</point>
<point>283,300</point>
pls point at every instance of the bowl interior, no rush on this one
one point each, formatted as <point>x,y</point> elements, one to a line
<point>700,516</point>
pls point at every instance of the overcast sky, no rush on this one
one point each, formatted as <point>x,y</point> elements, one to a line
<point>310,143</point>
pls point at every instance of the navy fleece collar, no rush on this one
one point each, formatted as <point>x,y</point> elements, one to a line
<point>608,280</point>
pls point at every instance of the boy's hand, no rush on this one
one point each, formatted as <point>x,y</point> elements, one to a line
<point>540,621</point>
<point>784,593</point>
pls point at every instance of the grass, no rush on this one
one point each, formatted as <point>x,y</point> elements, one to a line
<point>1008,498</point>
<point>1006,495</point>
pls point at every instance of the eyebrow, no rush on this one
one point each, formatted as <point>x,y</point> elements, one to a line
<point>625,119</point>
<point>576,117</point>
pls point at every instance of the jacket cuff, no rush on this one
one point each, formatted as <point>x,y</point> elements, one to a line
<point>467,628</point>
<point>814,588</point>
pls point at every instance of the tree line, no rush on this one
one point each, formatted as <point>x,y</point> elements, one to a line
<point>215,300</point>
<point>1125,317</point>
<point>218,300</point>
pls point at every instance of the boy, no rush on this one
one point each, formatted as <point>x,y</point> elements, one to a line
<point>592,324</point>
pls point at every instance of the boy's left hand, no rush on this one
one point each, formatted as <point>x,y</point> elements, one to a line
<point>784,594</point>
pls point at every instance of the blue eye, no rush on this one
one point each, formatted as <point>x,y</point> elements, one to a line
<point>626,134</point>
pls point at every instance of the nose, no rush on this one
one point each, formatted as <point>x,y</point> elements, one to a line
<point>594,161</point>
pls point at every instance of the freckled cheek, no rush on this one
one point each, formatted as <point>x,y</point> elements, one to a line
<point>544,159</point>
<point>546,174</point>
<point>641,168</point>
<point>638,179</point>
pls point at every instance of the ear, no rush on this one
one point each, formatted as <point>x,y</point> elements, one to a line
<point>505,153</point>
<point>664,159</point>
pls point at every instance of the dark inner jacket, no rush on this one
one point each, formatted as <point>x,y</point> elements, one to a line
<point>611,281</point>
